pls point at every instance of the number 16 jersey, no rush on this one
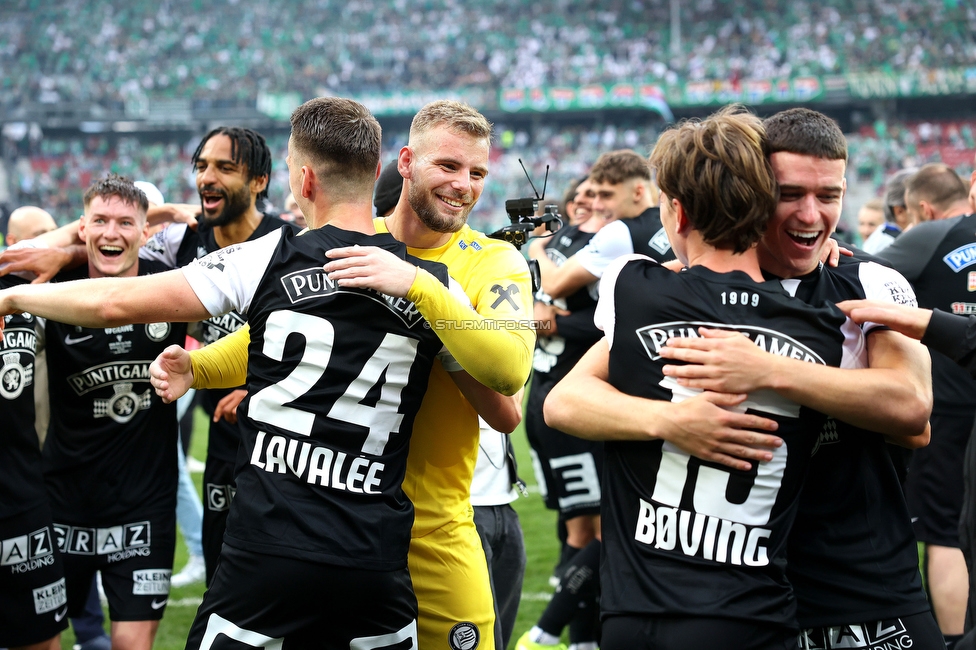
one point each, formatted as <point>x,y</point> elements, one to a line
<point>683,536</point>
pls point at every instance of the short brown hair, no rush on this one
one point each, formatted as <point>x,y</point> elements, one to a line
<point>805,132</point>
<point>340,138</point>
<point>615,167</point>
<point>719,170</point>
<point>120,186</point>
<point>454,115</point>
<point>938,184</point>
<point>874,204</point>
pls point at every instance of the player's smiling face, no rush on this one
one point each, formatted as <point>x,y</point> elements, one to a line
<point>113,231</point>
<point>225,192</point>
<point>446,172</point>
<point>811,196</point>
<point>582,203</point>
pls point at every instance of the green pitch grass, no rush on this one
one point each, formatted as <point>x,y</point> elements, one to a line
<point>538,525</point>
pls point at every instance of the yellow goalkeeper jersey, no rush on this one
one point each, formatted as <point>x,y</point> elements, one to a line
<point>444,445</point>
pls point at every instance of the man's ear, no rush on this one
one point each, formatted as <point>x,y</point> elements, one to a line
<point>638,190</point>
<point>681,222</point>
<point>927,210</point>
<point>145,232</point>
<point>82,222</point>
<point>309,183</point>
<point>404,160</point>
<point>258,184</point>
<point>379,168</point>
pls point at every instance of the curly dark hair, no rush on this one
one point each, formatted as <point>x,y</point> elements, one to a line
<point>247,148</point>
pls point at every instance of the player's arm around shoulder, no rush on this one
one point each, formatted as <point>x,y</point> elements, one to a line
<point>584,404</point>
<point>494,342</point>
<point>108,302</point>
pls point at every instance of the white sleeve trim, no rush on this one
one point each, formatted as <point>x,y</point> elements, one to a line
<point>226,280</point>
<point>885,284</point>
<point>613,241</point>
<point>164,245</point>
<point>604,317</point>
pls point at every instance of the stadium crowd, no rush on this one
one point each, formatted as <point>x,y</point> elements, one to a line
<point>857,515</point>
<point>234,50</point>
<point>52,173</point>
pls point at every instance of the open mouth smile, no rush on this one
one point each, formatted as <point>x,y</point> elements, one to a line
<point>804,238</point>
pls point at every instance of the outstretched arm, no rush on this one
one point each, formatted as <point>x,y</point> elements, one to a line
<point>950,334</point>
<point>910,321</point>
<point>586,405</point>
<point>44,263</point>
<point>108,302</point>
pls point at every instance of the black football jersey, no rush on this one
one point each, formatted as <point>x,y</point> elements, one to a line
<point>939,259</point>
<point>684,536</point>
<point>110,451</point>
<point>556,355</point>
<point>21,485</point>
<point>852,550</point>
<point>649,236</point>
<point>178,246</point>
<point>335,379</point>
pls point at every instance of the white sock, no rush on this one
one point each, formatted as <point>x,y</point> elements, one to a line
<point>540,636</point>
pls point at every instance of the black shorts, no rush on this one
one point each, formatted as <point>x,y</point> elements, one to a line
<point>934,487</point>
<point>263,601</point>
<point>218,491</point>
<point>918,632</point>
<point>135,559</point>
<point>692,633</point>
<point>33,597</point>
<point>568,469</point>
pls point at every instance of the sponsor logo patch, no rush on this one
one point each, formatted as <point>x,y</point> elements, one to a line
<point>963,308</point>
<point>505,295</point>
<point>27,552</point>
<point>888,634</point>
<point>219,497</point>
<point>50,597</point>
<point>962,257</point>
<point>660,242</point>
<point>151,582</point>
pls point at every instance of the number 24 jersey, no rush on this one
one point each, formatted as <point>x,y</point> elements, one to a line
<point>335,378</point>
<point>686,536</point>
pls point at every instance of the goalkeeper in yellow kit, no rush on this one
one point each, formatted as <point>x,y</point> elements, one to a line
<point>444,167</point>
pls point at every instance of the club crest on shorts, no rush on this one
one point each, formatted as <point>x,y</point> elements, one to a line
<point>464,636</point>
